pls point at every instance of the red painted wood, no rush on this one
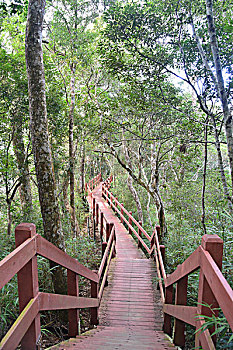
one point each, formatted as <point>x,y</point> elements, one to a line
<point>97,214</point>
<point>50,301</point>
<point>185,313</point>
<point>140,235</point>
<point>73,314</point>
<point>130,222</point>
<point>122,213</point>
<point>181,299</point>
<point>191,264</point>
<point>14,262</point>
<point>167,318</point>
<point>13,337</point>
<point>214,246</point>
<point>49,251</point>
<point>94,311</point>
<point>28,287</point>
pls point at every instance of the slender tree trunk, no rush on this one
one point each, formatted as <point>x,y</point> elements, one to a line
<point>22,164</point>
<point>136,198</point>
<point>148,211</point>
<point>65,185</point>
<point>82,169</point>
<point>130,184</point>
<point>9,218</point>
<point>220,84</point>
<point>221,166</point>
<point>40,136</point>
<point>204,179</point>
<point>74,225</point>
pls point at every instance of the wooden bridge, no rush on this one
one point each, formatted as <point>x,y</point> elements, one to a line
<point>125,305</point>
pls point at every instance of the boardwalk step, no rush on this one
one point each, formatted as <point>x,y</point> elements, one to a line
<point>118,337</point>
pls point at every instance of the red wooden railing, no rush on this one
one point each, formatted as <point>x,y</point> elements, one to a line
<point>23,262</point>
<point>213,289</point>
<point>89,186</point>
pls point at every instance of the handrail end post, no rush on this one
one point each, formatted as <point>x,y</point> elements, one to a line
<point>28,286</point>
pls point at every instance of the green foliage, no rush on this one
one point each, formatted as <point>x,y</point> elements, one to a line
<point>220,325</point>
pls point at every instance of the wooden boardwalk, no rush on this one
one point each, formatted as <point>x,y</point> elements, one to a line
<point>130,315</point>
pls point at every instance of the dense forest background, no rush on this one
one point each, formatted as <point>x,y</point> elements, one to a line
<point>139,89</point>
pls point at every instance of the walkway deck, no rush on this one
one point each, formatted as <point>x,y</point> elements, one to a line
<point>131,312</point>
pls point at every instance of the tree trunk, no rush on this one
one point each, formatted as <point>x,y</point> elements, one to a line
<point>220,84</point>
<point>135,197</point>
<point>130,183</point>
<point>40,136</point>
<point>74,226</point>
<point>82,169</point>
<point>9,218</point>
<point>22,164</point>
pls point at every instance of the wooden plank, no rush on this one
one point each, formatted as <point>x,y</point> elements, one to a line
<point>48,301</point>
<point>49,251</point>
<point>14,262</point>
<point>13,337</point>
<point>183,313</point>
<point>191,264</point>
<point>220,287</point>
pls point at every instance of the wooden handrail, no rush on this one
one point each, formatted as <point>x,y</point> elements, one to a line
<point>115,206</point>
<point>206,257</point>
<point>20,261</point>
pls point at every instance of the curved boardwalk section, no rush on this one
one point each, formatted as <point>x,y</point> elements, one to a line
<point>130,315</point>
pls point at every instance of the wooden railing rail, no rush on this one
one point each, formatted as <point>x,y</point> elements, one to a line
<point>115,204</point>
<point>213,290</point>
<point>108,238</point>
<point>23,261</point>
<point>90,185</point>
<point>213,287</point>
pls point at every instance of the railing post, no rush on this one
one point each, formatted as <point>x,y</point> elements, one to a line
<point>157,227</point>
<point>28,286</point>
<point>130,223</point>
<point>94,310</point>
<point>214,245</point>
<point>102,191</point>
<point>122,213</point>
<point>167,327</point>
<point>116,201</point>
<point>101,225</point>
<point>114,240</point>
<point>140,235</point>
<point>93,207</point>
<point>110,200</point>
<point>73,314</point>
<point>162,250</point>
<point>152,242</point>
<point>109,227</point>
<point>97,214</point>
<point>104,246</point>
<point>181,299</point>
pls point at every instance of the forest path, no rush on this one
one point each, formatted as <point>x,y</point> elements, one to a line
<point>130,315</point>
